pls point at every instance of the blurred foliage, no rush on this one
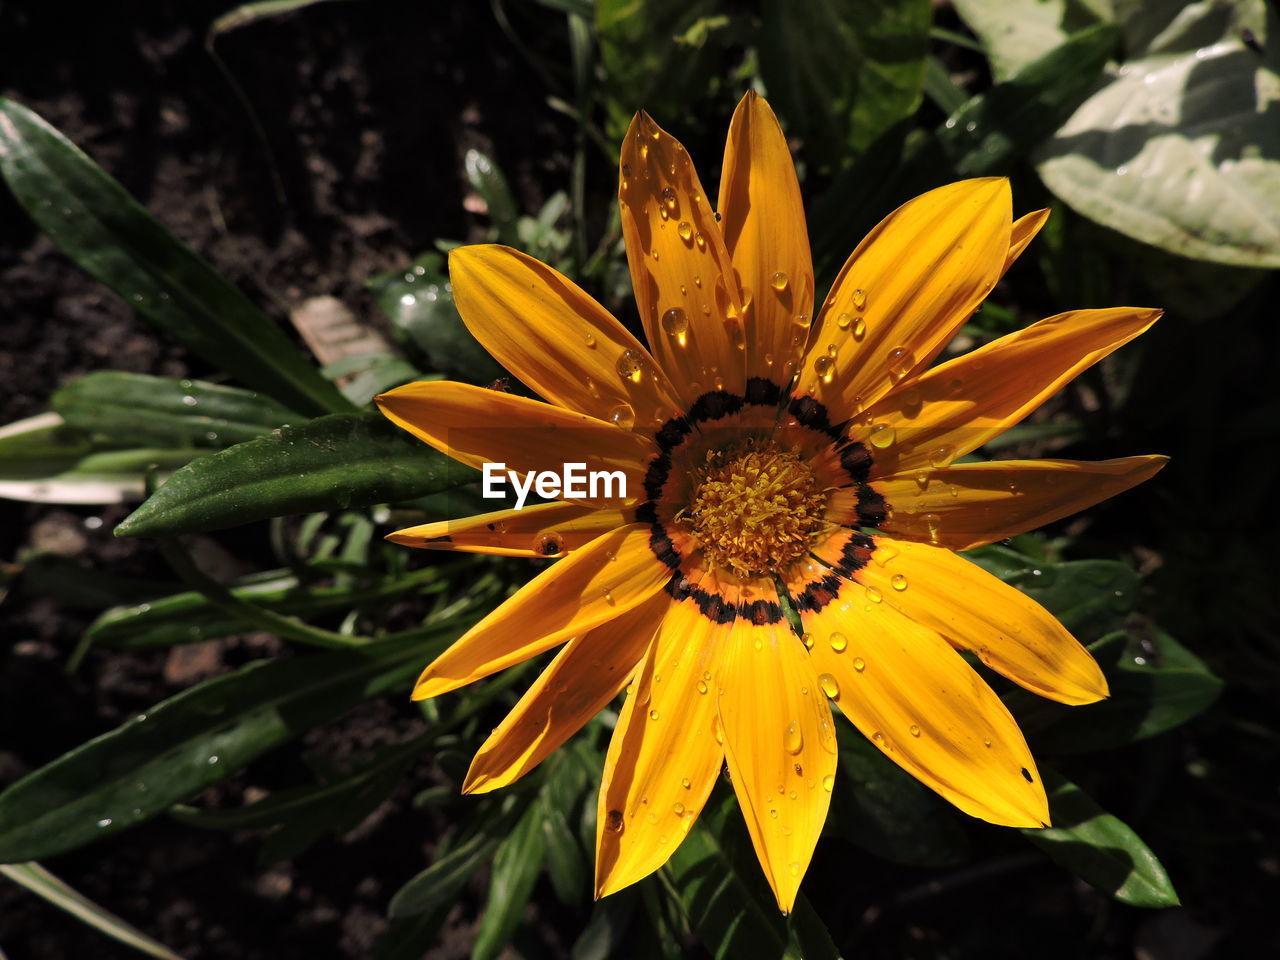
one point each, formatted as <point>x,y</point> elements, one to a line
<point>1148,128</point>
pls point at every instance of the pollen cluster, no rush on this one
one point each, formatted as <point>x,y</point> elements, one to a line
<point>754,507</point>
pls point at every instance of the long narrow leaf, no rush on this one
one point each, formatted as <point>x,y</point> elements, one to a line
<point>95,222</point>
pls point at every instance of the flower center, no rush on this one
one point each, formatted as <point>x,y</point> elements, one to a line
<point>755,507</point>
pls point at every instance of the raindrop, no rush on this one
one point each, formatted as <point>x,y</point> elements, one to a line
<point>548,544</point>
<point>829,685</point>
<point>213,759</point>
<point>839,642</point>
<point>915,731</point>
<point>807,640</point>
<point>828,782</point>
<point>824,367</point>
<point>653,714</point>
<point>859,329</point>
<point>702,686</point>
<point>899,362</point>
<point>623,416</point>
<point>686,783</point>
<point>882,435</point>
<point>941,457</point>
<point>844,321</point>
<point>859,298</point>
<point>778,281</point>
<point>608,597</point>
<point>774,814</point>
<point>899,582</point>
<point>685,229</point>
<point>630,365</point>
<point>793,740</point>
<point>189,400</point>
<point>614,820</point>
<point>700,241</point>
<point>873,594</point>
<point>104,822</point>
<point>678,809</point>
<point>795,869</point>
<point>651,817</point>
<point>859,664</point>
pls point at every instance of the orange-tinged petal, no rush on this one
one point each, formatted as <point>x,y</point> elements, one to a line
<point>977,611</point>
<point>683,279</point>
<point>542,530</point>
<point>1024,230</point>
<point>663,758</point>
<point>907,690</point>
<point>604,579</point>
<point>763,224</point>
<point>478,426</point>
<point>780,746</point>
<point>959,405</point>
<point>552,335</point>
<point>905,291</point>
<point>582,679</point>
<point>972,504</point>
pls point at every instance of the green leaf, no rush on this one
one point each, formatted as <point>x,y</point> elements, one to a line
<point>887,812</point>
<point>304,814</point>
<point>487,180</point>
<point>333,463</point>
<point>248,13</point>
<point>1156,685</point>
<point>1002,125</point>
<point>419,303</point>
<point>191,617</point>
<point>110,476</point>
<point>95,222</point>
<point>515,870</point>
<point>841,72</point>
<point>439,884</point>
<point>732,911</point>
<point>186,743</point>
<point>1090,598</point>
<point>128,409</point>
<point>657,55</point>
<point>1100,849</point>
<point>39,446</point>
<point>44,884</point>
<point>1016,32</point>
<point>1181,149</point>
<point>566,864</point>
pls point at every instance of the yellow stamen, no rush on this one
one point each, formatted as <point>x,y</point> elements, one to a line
<point>755,507</point>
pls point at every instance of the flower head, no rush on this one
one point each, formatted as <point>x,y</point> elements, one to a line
<point>783,451</point>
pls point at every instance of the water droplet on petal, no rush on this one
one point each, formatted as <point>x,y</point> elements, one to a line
<point>859,664</point>
<point>623,416</point>
<point>882,435</point>
<point>899,582</point>
<point>685,229</point>
<point>859,329</point>
<point>702,686</point>
<point>915,731</point>
<point>859,298</point>
<point>941,457</point>
<point>613,820</point>
<point>678,809</point>
<point>793,740</point>
<point>825,368</point>
<point>590,341</point>
<point>838,642</point>
<point>844,321</point>
<point>828,783</point>
<point>829,685</point>
<point>630,365</point>
<point>899,362</point>
<point>548,543</point>
<point>676,324</point>
<point>653,714</point>
<point>778,281</point>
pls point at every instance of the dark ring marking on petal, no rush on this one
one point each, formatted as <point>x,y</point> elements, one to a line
<point>647,512</point>
<point>714,405</point>
<point>818,594</point>
<point>812,414</point>
<point>762,613</point>
<point>445,539</point>
<point>872,508</point>
<point>673,433</point>
<point>855,460</point>
<point>662,546</point>
<point>711,605</point>
<point>655,478</point>
<point>763,393</point>
<point>854,555</point>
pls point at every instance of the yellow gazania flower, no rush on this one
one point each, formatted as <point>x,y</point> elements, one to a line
<point>773,453</point>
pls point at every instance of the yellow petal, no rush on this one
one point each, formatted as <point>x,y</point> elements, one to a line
<point>907,690</point>
<point>600,581</point>
<point>974,610</point>
<point>478,426</point>
<point>663,758</point>
<point>780,746</point>
<point>972,504</point>
<point>579,683</point>
<point>683,279</point>
<point>1024,230</point>
<point>905,291</point>
<point>552,335</point>
<point>541,530</point>
<point>959,405</point>
<point>763,224</point>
